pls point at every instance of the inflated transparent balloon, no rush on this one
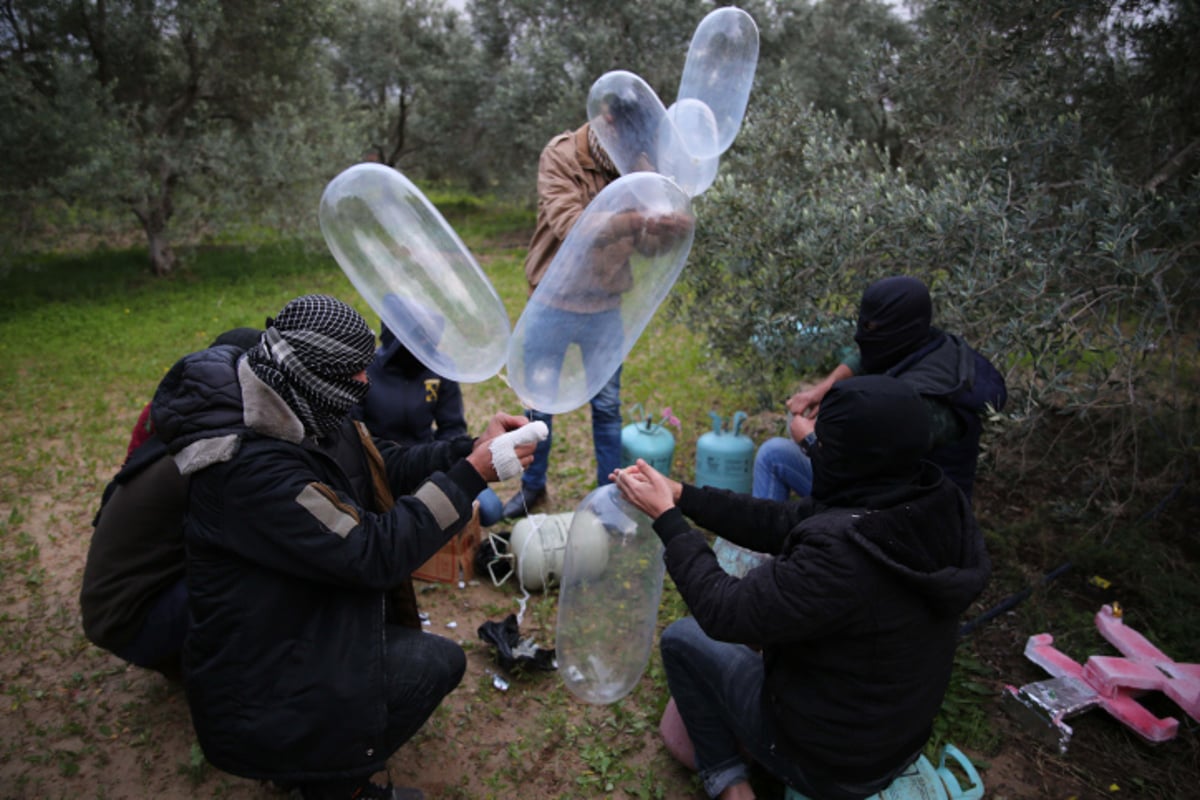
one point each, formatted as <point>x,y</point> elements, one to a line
<point>608,278</point>
<point>608,613</point>
<point>691,129</point>
<point>412,269</point>
<point>719,71</point>
<point>629,120</point>
<point>640,135</point>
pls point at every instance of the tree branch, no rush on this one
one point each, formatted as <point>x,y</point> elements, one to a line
<point>1172,167</point>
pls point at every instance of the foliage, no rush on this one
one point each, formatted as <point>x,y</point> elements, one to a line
<point>134,105</point>
<point>838,57</point>
<point>541,57</point>
<point>1048,253</point>
<point>411,68</point>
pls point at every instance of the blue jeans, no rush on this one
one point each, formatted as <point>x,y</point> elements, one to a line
<point>606,437</point>
<point>780,468</point>
<point>594,333</point>
<point>717,687</point>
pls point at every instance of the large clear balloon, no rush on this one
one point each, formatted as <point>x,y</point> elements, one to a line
<point>691,129</point>
<point>607,279</point>
<point>719,72</point>
<point>640,135</point>
<point>628,118</point>
<point>608,610</point>
<point>412,269</point>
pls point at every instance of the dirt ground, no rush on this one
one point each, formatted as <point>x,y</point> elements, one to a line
<point>77,723</point>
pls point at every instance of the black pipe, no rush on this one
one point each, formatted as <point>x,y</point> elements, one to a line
<point>1012,601</point>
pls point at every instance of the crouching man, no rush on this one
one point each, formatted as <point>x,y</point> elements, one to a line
<point>305,663</point>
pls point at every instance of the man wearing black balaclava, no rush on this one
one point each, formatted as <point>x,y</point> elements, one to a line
<point>895,336</point>
<point>306,663</point>
<point>828,662</point>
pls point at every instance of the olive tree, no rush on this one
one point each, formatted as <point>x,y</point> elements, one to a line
<point>139,104</point>
<point>411,68</point>
<point>1053,241</point>
<point>540,58</point>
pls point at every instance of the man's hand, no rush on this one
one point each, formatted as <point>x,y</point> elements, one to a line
<point>670,226</point>
<point>647,489</point>
<point>501,423</point>
<point>481,456</point>
<point>800,427</point>
<point>806,403</point>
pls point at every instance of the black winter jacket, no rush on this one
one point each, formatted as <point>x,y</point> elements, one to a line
<point>409,403</point>
<point>948,372</point>
<point>296,555</point>
<point>856,617</point>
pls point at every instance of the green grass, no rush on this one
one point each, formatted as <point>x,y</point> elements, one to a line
<point>84,340</point>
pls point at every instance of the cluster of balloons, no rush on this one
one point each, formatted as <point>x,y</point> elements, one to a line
<point>604,285</point>
<point>683,142</point>
<point>413,270</point>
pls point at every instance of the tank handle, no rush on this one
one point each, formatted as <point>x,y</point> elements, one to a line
<point>974,791</point>
<point>637,413</point>
<point>717,422</point>
<point>738,418</point>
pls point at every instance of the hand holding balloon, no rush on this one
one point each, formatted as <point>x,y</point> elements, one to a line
<point>599,292</point>
<point>481,458</point>
<point>647,489</point>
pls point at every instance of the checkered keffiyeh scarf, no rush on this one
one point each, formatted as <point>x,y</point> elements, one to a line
<point>599,154</point>
<point>310,354</point>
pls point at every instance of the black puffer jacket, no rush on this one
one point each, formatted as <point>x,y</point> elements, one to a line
<point>409,403</point>
<point>296,554</point>
<point>856,617</point>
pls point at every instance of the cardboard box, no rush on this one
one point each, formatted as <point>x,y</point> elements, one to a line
<point>457,555</point>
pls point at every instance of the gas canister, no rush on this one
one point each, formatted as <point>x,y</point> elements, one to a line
<point>725,458</point>
<point>648,440</point>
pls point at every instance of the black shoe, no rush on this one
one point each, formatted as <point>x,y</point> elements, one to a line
<point>523,502</point>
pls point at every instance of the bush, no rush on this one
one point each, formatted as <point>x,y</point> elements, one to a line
<point>1080,293</point>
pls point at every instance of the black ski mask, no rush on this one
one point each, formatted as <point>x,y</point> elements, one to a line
<point>894,320</point>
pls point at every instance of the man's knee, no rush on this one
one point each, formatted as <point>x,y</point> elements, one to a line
<point>678,637</point>
<point>773,450</point>
<point>450,663</point>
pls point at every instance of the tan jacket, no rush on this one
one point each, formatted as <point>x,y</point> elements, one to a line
<point>568,180</point>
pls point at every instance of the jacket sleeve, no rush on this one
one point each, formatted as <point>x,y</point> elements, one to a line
<point>804,595</point>
<point>560,195</point>
<point>277,512</point>
<point>756,524</point>
<point>409,465</point>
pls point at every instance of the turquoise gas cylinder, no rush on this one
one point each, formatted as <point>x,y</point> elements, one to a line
<point>648,440</point>
<point>725,459</point>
